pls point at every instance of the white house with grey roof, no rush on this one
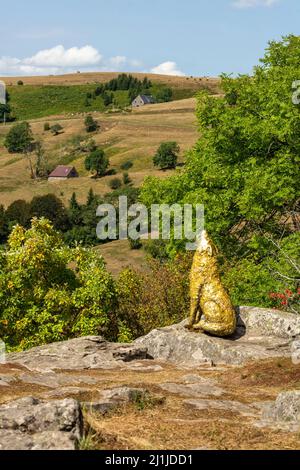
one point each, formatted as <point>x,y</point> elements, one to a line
<point>142,100</point>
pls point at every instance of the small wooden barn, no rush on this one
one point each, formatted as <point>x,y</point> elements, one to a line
<point>142,100</point>
<point>62,172</point>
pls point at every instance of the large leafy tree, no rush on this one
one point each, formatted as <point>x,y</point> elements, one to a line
<point>245,166</point>
<point>167,155</point>
<point>52,208</point>
<point>19,139</point>
<point>97,162</point>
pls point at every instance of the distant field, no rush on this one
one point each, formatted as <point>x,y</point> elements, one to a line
<point>102,77</point>
<point>118,256</point>
<point>133,136</point>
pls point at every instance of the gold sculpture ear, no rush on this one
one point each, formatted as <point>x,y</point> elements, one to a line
<point>210,250</point>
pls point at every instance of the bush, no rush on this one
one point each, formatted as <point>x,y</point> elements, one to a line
<point>115,183</point>
<point>42,300</point>
<point>127,165</point>
<point>20,83</point>
<point>135,244</point>
<point>126,179</point>
<point>157,249</point>
<point>56,129</point>
<point>154,299</point>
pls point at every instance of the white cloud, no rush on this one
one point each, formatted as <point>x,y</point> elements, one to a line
<point>59,60</point>
<point>60,57</point>
<point>136,63</point>
<point>253,3</point>
<point>118,61</point>
<point>167,68</point>
<point>52,61</point>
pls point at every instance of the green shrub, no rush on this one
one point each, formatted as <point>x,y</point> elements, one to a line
<point>127,165</point>
<point>126,179</point>
<point>135,244</point>
<point>56,129</point>
<point>43,300</point>
<point>115,183</point>
<point>155,298</point>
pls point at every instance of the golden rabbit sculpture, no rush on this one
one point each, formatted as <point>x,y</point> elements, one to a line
<point>211,307</point>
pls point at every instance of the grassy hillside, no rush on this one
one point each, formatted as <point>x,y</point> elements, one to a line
<point>41,96</point>
<point>31,102</point>
<point>133,136</point>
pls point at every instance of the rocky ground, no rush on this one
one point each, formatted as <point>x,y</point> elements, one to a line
<point>173,389</point>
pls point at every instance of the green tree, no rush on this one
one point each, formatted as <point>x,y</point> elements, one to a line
<point>75,211</point>
<point>245,167</point>
<point>41,163</point>
<point>90,198</point>
<point>18,212</point>
<point>19,139</point>
<point>97,162</point>
<point>167,155</point>
<point>91,124</point>
<point>163,94</point>
<point>107,98</point>
<point>52,208</point>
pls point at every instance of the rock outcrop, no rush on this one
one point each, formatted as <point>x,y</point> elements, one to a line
<point>261,334</point>
<point>46,393</point>
<point>284,412</point>
<point>91,352</point>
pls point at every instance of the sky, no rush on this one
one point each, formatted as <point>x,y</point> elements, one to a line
<point>176,37</point>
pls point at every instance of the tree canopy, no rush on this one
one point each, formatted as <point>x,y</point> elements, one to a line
<point>245,166</point>
<point>97,162</point>
<point>19,138</point>
<point>167,155</point>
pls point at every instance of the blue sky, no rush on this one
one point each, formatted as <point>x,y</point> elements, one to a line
<point>192,37</point>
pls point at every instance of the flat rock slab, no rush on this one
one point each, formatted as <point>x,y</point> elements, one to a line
<point>261,334</point>
<point>227,405</point>
<point>92,352</point>
<point>47,440</point>
<point>202,387</point>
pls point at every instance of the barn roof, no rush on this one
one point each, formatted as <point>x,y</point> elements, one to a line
<point>61,171</point>
<point>147,99</point>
